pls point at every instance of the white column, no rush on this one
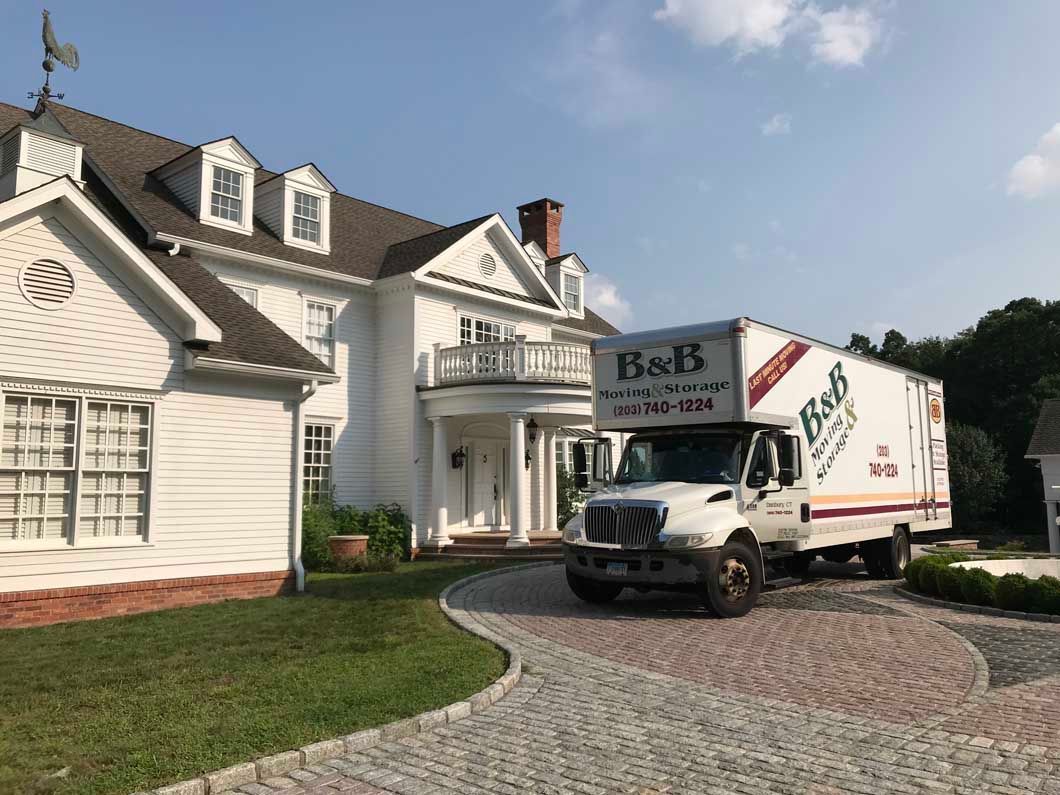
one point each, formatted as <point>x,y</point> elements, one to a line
<point>1053,529</point>
<point>517,477</point>
<point>549,461</point>
<point>439,485</point>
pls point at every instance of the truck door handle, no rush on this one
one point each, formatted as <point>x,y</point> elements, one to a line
<point>805,513</point>
<point>494,491</point>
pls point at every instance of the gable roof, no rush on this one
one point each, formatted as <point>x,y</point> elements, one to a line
<point>361,232</point>
<point>1046,437</point>
<point>411,255</point>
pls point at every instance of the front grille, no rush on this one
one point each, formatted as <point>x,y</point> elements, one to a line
<point>631,525</point>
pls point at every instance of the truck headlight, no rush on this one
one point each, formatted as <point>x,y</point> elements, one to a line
<point>572,533</point>
<point>688,541</point>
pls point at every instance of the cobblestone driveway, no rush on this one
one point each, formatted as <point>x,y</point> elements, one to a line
<point>838,686</point>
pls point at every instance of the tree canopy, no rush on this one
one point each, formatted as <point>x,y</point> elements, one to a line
<point>996,374</point>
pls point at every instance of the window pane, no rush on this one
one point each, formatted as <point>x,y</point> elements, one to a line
<point>320,331</point>
<point>118,447</point>
<point>248,294</point>
<point>316,472</point>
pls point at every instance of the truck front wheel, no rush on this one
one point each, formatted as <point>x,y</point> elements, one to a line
<point>591,590</point>
<point>733,585</point>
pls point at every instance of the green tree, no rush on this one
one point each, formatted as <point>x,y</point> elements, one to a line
<point>977,474</point>
<point>568,499</point>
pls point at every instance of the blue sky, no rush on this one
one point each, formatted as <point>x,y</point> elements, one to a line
<point>823,166</point>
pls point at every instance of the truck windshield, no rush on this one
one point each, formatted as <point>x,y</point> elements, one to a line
<point>706,458</point>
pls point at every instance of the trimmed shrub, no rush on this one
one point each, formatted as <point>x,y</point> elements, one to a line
<point>1043,596</point>
<point>384,537</point>
<point>318,522</point>
<point>402,532</point>
<point>950,581</point>
<point>367,563</point>
<point>927,578</point>
<point>911,572</point>
<point>348,521</point>
<point>979,587</point>
<point>1012,592</point>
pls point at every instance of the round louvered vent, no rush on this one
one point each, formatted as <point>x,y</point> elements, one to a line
<point>47,284</point>
<point>487,264</point>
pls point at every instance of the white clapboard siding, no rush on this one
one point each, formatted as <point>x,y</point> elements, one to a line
<point>185,185</point>
<point>104,335</point>
<point>350,404</point>
<point>506,276</point>
<point>395,399</point>
<point>268,205</point>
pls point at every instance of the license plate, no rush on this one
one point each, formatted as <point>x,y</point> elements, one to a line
<point>617,569</point>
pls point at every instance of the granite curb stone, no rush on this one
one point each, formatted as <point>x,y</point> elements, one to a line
<point>275,765</point>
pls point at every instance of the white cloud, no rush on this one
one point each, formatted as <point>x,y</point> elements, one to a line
<point>844,36</point>
<point>602,296</point>
<point>838,37</point>
<point>780,124</point>
<point>747,25</point>
<point>1038,173</point>
<point>741,251</point>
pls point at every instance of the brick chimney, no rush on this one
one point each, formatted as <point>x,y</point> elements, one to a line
<point>539,221</point>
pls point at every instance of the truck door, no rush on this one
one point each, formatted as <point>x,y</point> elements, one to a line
<point>920,448</point>
<point>776,512</point>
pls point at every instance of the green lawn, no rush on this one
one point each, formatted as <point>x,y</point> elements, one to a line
<point>132,703</point>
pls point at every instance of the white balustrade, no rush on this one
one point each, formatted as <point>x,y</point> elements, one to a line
<point>517,360</point>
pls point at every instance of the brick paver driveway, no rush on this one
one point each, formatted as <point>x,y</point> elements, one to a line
<point>838,686</point>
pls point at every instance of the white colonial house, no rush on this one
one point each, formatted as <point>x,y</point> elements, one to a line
<point>193,345</point>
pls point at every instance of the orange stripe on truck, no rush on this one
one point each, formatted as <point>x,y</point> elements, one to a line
<point>832,499</point>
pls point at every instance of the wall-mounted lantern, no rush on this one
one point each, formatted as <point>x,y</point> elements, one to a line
<point>527,458</point>
<point>531,431</point>
<point>458,457</point>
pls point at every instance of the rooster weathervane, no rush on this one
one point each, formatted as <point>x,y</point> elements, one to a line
<point>66,54</point>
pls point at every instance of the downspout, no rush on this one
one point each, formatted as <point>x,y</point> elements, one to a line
<point>296,508</point>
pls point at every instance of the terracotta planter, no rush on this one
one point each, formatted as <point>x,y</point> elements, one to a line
<point>347,547</point>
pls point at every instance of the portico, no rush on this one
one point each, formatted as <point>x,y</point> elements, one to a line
<point>493,448</point>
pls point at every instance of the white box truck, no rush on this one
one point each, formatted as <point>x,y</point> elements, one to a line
<point>753,451</point>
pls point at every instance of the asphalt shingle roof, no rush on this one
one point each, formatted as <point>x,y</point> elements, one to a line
<point>593,324</point>
<point>410,255</point>
<point>1046,437</point>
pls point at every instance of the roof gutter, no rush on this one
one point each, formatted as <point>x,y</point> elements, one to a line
<point>257,259</point>
<point>265,370</point>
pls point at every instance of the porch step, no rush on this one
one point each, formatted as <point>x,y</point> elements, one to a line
<point>495,557</point>
<point>534,550</point>
<point>500,539</point>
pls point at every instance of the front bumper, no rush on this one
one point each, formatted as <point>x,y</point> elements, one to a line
<point>654,568</point>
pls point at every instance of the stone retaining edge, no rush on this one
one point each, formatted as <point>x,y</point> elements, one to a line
<point>986,611</point>
<point>278,764</point>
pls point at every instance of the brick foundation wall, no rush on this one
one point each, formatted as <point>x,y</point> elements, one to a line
<point>36,608</point>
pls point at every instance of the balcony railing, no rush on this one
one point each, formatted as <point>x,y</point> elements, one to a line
<point>516,360</point>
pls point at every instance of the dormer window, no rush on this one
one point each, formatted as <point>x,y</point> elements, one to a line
<point>572,292</point>
<point>296,207</point>
<point>226,200</point>
<point>215,182</point>
<point>305,225</point>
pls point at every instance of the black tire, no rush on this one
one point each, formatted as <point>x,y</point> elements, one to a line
<point>733,585</point>
<point>870,556</point>
<point>895,554</point>
<point>592,591</point>
<point>798,565</point>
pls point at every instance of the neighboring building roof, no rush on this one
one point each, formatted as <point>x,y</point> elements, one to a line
<point>361,232</point>
<point>1046,437</point>
<point>411,255</point>
<point>592,324</point>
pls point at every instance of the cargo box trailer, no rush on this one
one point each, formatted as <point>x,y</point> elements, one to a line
<point>753,451</point>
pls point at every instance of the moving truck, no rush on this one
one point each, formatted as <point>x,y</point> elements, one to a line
<point>753,451</point>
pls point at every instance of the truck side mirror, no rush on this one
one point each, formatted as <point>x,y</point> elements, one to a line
<point>577,452</point>
<point>581,481</point>
<point>790,457</point>
<point>787,477</point>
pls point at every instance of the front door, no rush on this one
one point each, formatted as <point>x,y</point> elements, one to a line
<point>488,484</point>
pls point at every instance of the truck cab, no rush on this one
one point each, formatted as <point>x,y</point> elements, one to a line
<point>657,521</point>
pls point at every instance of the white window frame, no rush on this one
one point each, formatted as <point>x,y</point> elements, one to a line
<point>307,337</point>
<point>77,537</point>
<point>237,287</point>
<point>568,279</point>
<point>222,194</point>
<point>467,322</point>
<point>328,433</point>
<point>297,216</point>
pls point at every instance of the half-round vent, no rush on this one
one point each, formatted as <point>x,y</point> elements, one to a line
<point>487,264</point>
<point>721,496</point>
<point>47,284</point>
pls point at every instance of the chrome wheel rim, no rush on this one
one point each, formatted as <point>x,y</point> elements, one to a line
<point>734,579</point>
<point>903,553</point>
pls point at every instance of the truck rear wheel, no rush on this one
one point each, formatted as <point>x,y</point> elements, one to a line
<point>591,590</point>
<point>733,586</point>
<point>886,558</point>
